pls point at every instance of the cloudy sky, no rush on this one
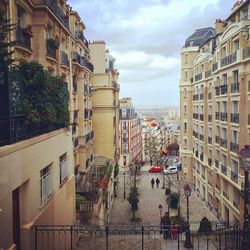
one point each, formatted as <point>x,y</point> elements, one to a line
<point>145,37</point>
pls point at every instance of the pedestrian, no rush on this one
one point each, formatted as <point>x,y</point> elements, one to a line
<point>157,182</point>
<point>152,182</point>
<point>151,162</point>
<point>166,226</point>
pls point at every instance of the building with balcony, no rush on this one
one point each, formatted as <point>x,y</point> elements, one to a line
<point>215,107</point>
<point>130,134</point>
<point>105,101</point>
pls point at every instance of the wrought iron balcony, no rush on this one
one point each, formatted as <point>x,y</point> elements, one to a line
<point>202,96</point>
<point>76,57</point>
<point>56,10</point>
<point>23,38</point>
<point>235,117</point>
<point>227,60</point>
<point>208,73</point>
<point>223,116</point>
<point>217,90</point>
<point>87,64</point>
<point>214,66</point>
<point>201,117</point>
<point>209,139</point>
<point>234,176</point>
<point>223,143</point>
<point>234,147</point>
<point>246,53</point>
<point>210,118</point>
<point>223,89</point>
<point>79,35</point>
<point>235,87</point>
<point>217,115</point>
<point>217,139</point>
<point>223,169</point>
<point>198,77</point>
<point>64,59</point>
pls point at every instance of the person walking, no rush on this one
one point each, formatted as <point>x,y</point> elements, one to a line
<point>157,182</point>
<point>166,226</point>
<point>151,162</point>
<point>152,182</point>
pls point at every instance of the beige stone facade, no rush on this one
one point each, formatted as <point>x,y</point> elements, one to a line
<point>215,112</point>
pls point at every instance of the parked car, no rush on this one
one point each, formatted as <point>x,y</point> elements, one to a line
<point>156,169</point>
<point>171,170</point>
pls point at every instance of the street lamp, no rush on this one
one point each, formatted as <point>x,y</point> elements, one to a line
<point>160,208</point>
<point>187,192</point>
<point>244,157</point>
<point>124,191</point>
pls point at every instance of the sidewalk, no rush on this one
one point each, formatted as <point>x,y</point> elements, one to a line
<point>150,199</point>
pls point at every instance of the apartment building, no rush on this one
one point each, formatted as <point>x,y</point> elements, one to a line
<point>130,134</point>
<point>105,101</point>
<point>215,108</point>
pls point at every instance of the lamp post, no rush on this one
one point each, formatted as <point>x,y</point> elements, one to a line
<point>187,192</point>
<point>244,157</point>
<point>160,208</point>
<point>124,191</point>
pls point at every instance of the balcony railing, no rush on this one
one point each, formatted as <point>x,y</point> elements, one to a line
<point>223,143</point>
<point>217,139</point>
<point>235,87</point>
<point>234,176</point>
<point>234,147</point>
<point>23,38</point>
<point>223,116</point>
<point>223,89</point>
<point>79,35</point>
<point>246,53</point>
<point>56,10</point>
<point>210,118</point>
<point>201,117</point>
<point>227,60</point>
<point>64,59</point>
<point>235,117</point>
<point>214,66</point>
<point>209,139</point>
<point>196,97</point>
<point>198,77</point>
<point>87,64</point>
<point>208,73</point>
<point>223,169</point>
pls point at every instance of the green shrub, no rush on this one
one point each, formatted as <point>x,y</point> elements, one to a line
<point>205,226</point>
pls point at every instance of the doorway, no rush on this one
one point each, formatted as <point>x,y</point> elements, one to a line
<point>16,218</point>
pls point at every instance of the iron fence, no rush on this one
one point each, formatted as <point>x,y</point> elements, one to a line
<point>132,236</point>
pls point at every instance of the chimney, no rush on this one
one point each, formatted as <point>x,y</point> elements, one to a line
<point>219,26</point>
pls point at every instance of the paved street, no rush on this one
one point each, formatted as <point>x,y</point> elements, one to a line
<point>149,201</point>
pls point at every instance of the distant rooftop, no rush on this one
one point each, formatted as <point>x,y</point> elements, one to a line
<point>199,37</point>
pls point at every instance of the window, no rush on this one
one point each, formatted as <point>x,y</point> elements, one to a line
<point>224,79</point>
<point>186,58</point>
<point>63,168</point>
<point>236,45</point>
<point>185,126</point>
<point>20,17</point>
<point>185,109</point>
<point>235,76</point>
<point>185,75</point>
<point>46,183</point>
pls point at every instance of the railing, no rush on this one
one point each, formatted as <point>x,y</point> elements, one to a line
<point>64,59</point>
<point>201,117</point>
<point>235,87</point>
<point>210,118</point>
<point>214,67</point>
<point>87,64</point>
<point>227,60</point>
<point>223,89</point>
<point>76,57</point>
<point>202,96</point>
<point>46,182</point>
<point>51,49</point>
<point>223,116</point>
<point>79,35</point>
<point>23,38</point>
<point>234,147</point>
<point>208,73</point>
<point>209,139</point>
<point>198,77</point>
<point>235,117</point>
<point>56,10</point>
<point>223,169</point>
<point>223,142</point>
<point>246,53</point>
<point>234,176</point>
